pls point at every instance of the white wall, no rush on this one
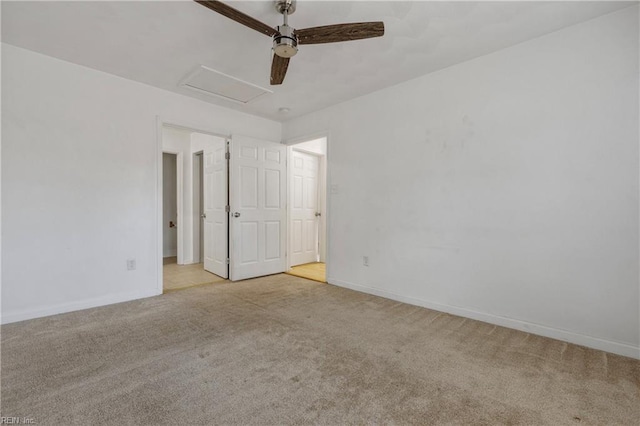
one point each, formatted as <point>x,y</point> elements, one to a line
<point>169,206</point>
<point>80,177</point>
<point>176,140</point>
<point>503,189</point>
<point>1,174</point>
<point>315,146</point>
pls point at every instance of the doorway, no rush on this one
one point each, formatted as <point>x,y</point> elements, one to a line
<point>169,208</point>
<point>186,248</point>
<point>245,235</point>
<point>307,209</point>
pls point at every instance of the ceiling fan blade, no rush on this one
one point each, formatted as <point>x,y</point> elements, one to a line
<point>340,32</point>
<point>279,67</point>
<point>236,15</point>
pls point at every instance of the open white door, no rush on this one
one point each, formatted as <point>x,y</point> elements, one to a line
<point>258,209</point>
<point>305,211</point>
<point>215,203</point>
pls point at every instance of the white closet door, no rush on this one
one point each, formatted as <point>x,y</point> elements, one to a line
<point>215,214</point>
<point>258,208</point>
<point>305,170</point>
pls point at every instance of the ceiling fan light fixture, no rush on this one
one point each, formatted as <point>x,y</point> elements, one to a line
<point>286,39</point>
<point>285,44</point>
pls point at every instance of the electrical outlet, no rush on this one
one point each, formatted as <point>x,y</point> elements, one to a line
<point>365,260</point>
<point>131,264</point>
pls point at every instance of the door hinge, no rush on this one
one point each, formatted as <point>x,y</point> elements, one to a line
<point>227,155</point>
<point>227,209</point>
<point>228,261</point>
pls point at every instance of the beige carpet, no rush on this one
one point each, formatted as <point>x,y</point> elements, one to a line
<point>284,350</point>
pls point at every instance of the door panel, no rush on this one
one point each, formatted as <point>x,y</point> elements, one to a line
<point>296,233</point>
<point>248,246</point>
<point>215,202</point>
<point>258,209</point>
<point>304,206</point>
<point>272,240</point>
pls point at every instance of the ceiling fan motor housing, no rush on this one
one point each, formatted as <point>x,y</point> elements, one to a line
<point>285,44</point>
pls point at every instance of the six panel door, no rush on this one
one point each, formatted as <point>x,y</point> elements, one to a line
<point>215,202</point>
<point>305,170</point>
<point>258,209</point>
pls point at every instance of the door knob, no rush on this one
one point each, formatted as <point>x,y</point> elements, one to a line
<point>203,215</point>
<point>318,214</point>
<point>236,214</point>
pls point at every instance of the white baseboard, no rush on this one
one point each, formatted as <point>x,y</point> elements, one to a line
<point>10,317</point>
<point>618,348</point>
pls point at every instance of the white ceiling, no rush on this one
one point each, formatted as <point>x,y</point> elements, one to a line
<point>159,43</point>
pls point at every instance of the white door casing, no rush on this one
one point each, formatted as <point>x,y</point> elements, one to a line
<point>304,185</point>
<point>215,214</point>
<point>258,208</point>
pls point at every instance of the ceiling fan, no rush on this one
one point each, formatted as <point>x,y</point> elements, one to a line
<point>286,38</point>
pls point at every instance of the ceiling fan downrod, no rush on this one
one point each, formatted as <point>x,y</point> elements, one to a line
<point>285,43</point>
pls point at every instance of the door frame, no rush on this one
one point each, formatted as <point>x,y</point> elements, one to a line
<point>326,207</point>
<point>162,121</point>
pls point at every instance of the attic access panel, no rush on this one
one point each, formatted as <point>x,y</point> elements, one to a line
<point>211,82</point>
